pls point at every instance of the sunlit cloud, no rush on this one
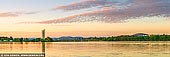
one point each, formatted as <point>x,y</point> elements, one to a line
<point>113,11</point>
<point>84,17</point>
<point>92,3</point>
<point>9,14</point>
<point>15,14</point>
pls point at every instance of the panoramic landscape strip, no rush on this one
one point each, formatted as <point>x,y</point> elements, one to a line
<point>134,37</point>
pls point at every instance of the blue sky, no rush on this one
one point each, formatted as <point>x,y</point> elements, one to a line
<point>31,4</point>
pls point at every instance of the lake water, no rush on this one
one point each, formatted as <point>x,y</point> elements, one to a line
<point>93,49</point>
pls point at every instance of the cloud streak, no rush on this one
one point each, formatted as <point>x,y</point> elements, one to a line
<point>15,14</point>
<point>19,13</point>
<point>9,14</point>
<point>113,11</point>
<point>91,3</point>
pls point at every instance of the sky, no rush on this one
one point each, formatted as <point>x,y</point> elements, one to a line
<point>26,18</point>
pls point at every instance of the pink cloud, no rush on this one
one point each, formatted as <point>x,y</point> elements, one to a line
<point>79,5</point>
<point>86,4</point>
<point>137,8</point>
<point>9,14</point>
<point>102,14</point>
<point>16,14</point>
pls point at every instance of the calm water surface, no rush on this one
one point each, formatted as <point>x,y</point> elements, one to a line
<point>93,49</point>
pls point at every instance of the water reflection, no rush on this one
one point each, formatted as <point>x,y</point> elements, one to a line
<point>93,49</point>
<point>19,47</point>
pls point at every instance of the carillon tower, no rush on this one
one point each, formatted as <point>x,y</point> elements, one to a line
<point>43,33</point>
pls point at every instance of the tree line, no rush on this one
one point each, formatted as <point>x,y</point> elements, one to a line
<point>162,37</point>
<point>11,39</point>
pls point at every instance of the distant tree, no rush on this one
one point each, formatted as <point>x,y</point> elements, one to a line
<point>10,38</point>
<point>16,40</point>
<point>48,39</point>
<point>26,40</point>
<point>38,39</point>
<point>21,39</point>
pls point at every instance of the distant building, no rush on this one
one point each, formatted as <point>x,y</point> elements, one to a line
<point>43,33</point>
<point>140,34</point>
